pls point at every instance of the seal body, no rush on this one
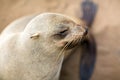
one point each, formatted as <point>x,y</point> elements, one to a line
<point>33,48</point>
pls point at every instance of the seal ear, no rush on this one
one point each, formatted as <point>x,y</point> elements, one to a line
<point>35,36</point>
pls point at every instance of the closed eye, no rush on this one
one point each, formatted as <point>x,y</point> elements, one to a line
<point>62,34</point>
<point>64,31</point>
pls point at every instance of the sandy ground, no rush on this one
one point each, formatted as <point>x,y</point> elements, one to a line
<point>105,28</point>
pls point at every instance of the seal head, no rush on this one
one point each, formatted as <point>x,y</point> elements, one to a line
<point>37,52</point>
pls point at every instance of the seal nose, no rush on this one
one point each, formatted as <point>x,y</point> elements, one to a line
<point>86,31</point>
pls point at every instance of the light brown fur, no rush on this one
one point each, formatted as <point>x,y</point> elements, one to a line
<point>29,51</point>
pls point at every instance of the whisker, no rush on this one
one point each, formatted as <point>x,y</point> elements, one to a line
<point>74,41</point>
<point>62,51</point>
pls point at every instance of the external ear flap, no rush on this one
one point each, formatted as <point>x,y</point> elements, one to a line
<point>35,36</point>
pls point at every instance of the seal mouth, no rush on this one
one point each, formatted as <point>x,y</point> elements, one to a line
<point>77,41</point>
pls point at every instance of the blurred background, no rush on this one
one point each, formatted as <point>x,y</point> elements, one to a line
<point>106,27</point>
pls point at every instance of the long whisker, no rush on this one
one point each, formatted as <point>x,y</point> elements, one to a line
<point>73,41</point>
<point>76,39</point>
<point>80,39</point>
<point>66,45</point>
<point>58,57</point>
<point>62,51</point>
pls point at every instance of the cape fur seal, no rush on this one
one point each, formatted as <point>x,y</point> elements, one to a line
<point>33,48</point>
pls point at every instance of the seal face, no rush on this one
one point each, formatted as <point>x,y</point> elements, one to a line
<point>37,52</point>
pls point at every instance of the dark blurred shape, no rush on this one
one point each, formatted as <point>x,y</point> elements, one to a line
<point>89,9</point>
<point>88,58</point>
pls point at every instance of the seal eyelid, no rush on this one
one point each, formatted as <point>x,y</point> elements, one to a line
<point>61,34</point>
<point>63,31</point>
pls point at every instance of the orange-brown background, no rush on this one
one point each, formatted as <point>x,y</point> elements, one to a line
<point>106,27</point>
